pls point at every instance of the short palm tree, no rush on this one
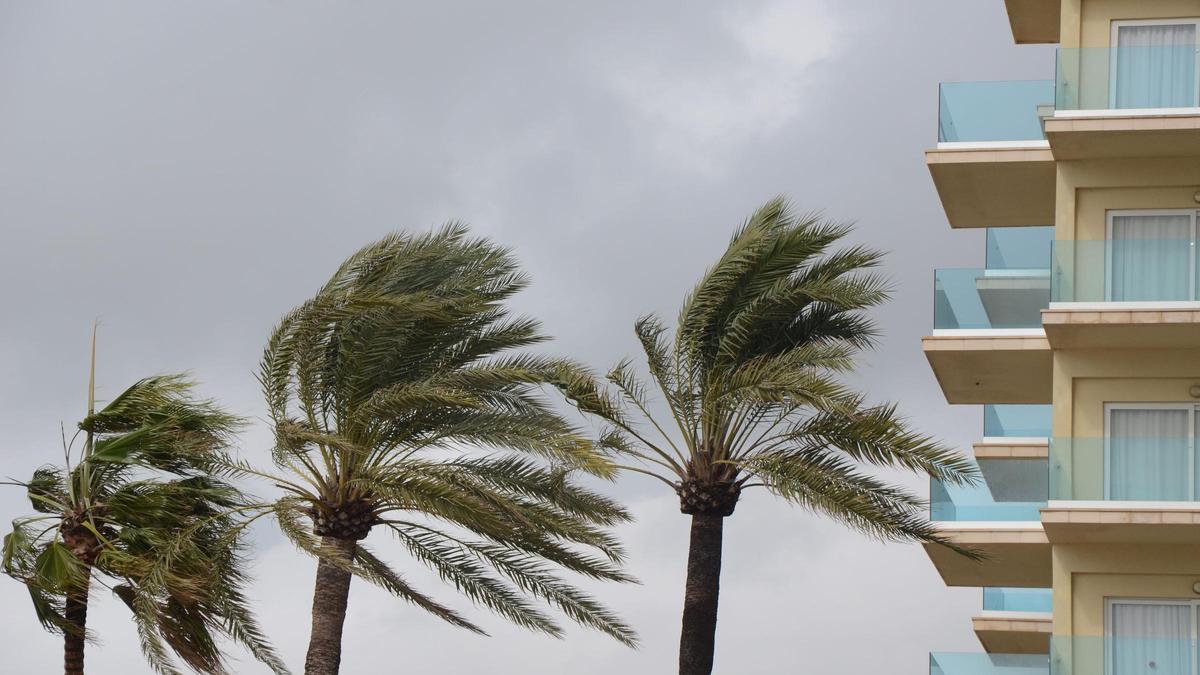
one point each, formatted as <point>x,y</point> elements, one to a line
<point>135,509</point>
<point>400,402</point>
<point>751,386</point>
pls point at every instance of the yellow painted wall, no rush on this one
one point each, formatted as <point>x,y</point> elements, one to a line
<point>1161,374</point>
<point>1088,23</point>
<point>1087,190</point>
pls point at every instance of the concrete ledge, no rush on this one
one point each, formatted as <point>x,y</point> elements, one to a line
<point>1016,555</point>
<point>996,369</point>
<point>1013,632</point>
<point>995,187</point>
<point>1120,327</point>
<point>1035,21</point>
<point>1112,136</point>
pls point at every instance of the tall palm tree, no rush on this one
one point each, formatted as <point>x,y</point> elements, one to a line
<point>116,514</point>
<point>384,388</point>
<point>750,382</point>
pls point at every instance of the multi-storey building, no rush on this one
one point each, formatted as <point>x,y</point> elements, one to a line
<point>1081,338</point>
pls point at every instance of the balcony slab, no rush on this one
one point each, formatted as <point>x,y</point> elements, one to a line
<point>1013,632</point>
<point>995,187</point>
<point>977,367</point>
<point>1003,448</point>
<point>1122,325</point>
<point>1121,136</point>
<point>1015,555</point>
<point>1067,522</point>
<point>1035,21</point>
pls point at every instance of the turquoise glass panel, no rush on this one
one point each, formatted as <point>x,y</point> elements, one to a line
<point>982,298</point>
<point>1144,654</point>
<point>988,664</point>
<point>1129,468</point>
<point>1127,270</point>
<point>1019,248</point>
<point>1017,600</point>
<point>971,112</point>
<point>1125,78</point>
<point>1017,421</point>
<point>1012,490</point>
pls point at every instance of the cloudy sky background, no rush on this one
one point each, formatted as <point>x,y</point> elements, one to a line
<point>188,171</point>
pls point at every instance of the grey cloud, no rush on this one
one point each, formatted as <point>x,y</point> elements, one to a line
<point>189,171</point>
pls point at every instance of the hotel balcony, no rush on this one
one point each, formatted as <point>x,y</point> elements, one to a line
<point>1139,489</point>
<point>998,518</point>
<point>1014,621</point>
<point>1034,21</point>
<point>993,166</point>
<point>988,345</point>
<point>1125,293</point>
<point>1130,101</point>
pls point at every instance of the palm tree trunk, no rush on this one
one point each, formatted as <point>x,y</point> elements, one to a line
<point>698,639</point>
<point>329,608</point>
<point>73,637</point>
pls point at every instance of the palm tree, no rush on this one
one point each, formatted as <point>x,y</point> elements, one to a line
<point>135,509</point>
<point>751,384</point>
<point>383,390</point>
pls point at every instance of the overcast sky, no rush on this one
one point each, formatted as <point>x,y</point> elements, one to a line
<point>188,171</point>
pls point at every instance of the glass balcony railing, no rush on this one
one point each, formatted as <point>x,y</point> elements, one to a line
<point>1017,421</point>
<point>1017,600</point>
<point>972,112</point>
<point>1127,78</point>
<point>1125,270</point>
<point>1142,655</point>
<point>989,664</point>
<point>1012,490</point>
<point>982,298</point>
<point>1019,248</point>
<point>1126,468</point>
<point>1070,655</point>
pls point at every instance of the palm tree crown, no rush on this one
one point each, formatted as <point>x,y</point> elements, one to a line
<point>751,383</point>
<point>383,388</point>
<point>137,510</point>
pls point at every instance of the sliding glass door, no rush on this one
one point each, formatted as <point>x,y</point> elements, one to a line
<point>1150,452</point>
<point>1154,64</point>
<point>1151,256</point>
<point>1151,637</point>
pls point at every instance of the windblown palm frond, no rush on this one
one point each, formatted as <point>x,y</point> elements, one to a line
<point>401,401</point>
<point>752,382</point>
<point>140,513</point>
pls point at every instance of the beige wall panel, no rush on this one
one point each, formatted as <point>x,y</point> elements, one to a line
<point>1094,28</point>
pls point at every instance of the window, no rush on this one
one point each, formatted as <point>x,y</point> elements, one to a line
<point>1150,452</point>
<point>1151,255</point>
<point>1154,64</point>
<point>1151,636</point>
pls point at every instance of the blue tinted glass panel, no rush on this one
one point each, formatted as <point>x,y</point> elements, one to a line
<point>983,299</point>
<point>1017,600</point>
<point>993,111</point>
<point>1019,248</point>
<point>1016,421</point>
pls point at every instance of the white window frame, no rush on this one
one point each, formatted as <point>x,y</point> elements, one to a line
<point>1109,603</point>
<point>1114,43</point>
<point>1108,243</point>
<point>1166,405</point>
